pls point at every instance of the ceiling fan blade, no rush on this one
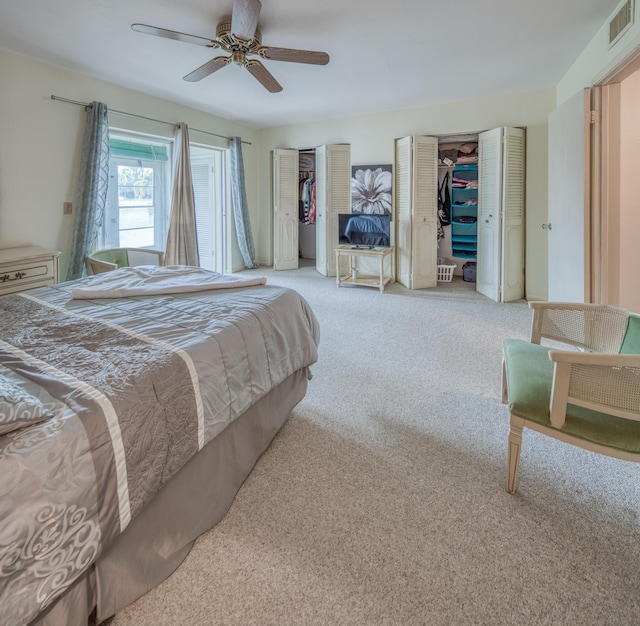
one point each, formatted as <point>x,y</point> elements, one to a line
<point>244,18</point>
<point>173,34</point>
<point>208,68</point>
<point>265,77</point>
<point>293,56</point>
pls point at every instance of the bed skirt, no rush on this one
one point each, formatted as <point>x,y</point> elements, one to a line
<point>196,499</point>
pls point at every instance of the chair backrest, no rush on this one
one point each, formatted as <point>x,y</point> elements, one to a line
<point>113,258</point>
<point>118,256</point>
<point>631,341</point>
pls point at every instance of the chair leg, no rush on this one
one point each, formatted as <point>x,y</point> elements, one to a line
<point>513,453</point>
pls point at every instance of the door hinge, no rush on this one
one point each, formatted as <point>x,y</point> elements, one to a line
<point>594,117</point>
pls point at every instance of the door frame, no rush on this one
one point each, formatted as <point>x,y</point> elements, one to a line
<point>604,165</point>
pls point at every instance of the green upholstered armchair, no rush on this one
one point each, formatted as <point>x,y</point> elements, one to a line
<point>581,387</point>
<point>113,258</point>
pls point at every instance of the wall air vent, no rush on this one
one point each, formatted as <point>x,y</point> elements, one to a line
<point>621,22</point>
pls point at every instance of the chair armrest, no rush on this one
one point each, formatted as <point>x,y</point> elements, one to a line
<point>608,383</point>
<point>592,327</point>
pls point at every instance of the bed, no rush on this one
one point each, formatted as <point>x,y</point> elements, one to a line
<point>130,416</point>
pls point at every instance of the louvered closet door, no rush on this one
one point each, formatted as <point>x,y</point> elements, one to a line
<point>285,209</point>
<point>424,230</point>
<point>402,194</point>
<point>333,196</point>
<point>321,210</point>
<point>489,198</point>
<point>512,270</point>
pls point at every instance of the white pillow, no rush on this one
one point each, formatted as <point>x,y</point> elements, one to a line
<point>18,408</point>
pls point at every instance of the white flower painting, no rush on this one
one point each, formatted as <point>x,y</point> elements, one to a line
<point>371,189</point>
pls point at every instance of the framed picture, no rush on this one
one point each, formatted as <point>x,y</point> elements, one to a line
<point>371,189</point>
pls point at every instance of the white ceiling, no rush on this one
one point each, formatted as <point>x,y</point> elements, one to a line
<point>385,54</point>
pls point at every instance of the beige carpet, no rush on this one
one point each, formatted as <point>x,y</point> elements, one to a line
<point>382,501</point>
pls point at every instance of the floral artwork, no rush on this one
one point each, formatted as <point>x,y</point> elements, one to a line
<point>371,189</point>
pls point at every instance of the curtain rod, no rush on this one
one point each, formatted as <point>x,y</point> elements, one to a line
<point>142,117</point>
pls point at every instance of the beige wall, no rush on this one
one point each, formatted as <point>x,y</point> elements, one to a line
<point>41,140</point>
<point>372,141</point>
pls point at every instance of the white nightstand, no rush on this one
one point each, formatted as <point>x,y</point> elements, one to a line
<point>27,267</point>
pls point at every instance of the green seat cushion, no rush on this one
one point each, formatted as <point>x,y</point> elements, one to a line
<point>119,257</point>
<point>529,378</point>
<point>631,341</point>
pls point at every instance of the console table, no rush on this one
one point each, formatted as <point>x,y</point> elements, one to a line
<point>354,277</point>
<point>27,267</point>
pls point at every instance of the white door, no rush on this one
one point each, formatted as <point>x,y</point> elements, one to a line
<point>402,194</point>
<point>208,193</point>
<point>416,196</point>
<point>488,226</point>
<point>321,211</point>
<point>512,216</point>
<point>285,209</point>
<point>500,228</point>
<point>568,211</point>
<point>424,214</point>
<point>333,196</point>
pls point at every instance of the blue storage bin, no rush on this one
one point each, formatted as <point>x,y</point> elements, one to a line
<point>463,229</point>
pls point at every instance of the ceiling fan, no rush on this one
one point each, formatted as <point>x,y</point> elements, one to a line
<point>241,38</point>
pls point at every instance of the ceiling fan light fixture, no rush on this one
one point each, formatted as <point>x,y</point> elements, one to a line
<point>238,57</point>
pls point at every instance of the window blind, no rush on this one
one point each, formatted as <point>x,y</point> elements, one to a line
<point>132,150</point>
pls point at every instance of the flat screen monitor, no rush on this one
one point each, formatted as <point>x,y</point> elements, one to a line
<point>364,230</point>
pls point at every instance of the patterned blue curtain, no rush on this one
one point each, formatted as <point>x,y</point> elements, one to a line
<point>239,204</point>
<point>92,188</point>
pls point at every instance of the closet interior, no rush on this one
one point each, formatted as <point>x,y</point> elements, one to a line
<point>307,204</point>
<point>458,200</point>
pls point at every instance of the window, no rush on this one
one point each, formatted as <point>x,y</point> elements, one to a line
<point>139,196</point>
<point>137,212</point>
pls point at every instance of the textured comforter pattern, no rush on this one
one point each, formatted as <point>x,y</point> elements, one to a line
<point>136,387</point>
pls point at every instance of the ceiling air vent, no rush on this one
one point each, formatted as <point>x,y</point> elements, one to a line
<point>621,22</point>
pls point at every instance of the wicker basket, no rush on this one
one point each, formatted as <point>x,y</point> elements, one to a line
<point>445,270</point>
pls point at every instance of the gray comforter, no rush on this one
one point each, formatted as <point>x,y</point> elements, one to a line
<point>133,388</point>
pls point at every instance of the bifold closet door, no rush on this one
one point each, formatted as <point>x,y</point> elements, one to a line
<point>285,209</point>
<point>333,196</point>
<point>416,192</point>
<point>500,257</point>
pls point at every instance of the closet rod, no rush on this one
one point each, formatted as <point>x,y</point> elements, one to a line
<point>142,117</point>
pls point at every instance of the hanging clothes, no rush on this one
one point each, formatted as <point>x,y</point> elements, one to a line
<point>307,199</point>
<point>444,206</point>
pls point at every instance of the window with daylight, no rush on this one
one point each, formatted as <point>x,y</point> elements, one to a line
<point>138,198</point>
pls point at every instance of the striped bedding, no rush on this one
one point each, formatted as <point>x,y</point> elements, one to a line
<point>133,387</point>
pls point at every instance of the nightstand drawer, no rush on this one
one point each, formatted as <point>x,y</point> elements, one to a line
<point>26,276</point>
<point>27,268</point>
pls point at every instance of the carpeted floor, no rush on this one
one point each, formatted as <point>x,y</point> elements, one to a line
<point>382,500</point>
